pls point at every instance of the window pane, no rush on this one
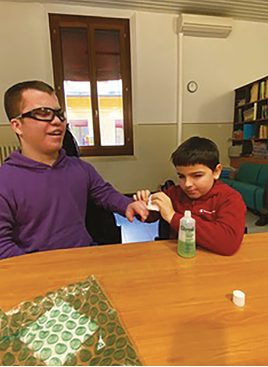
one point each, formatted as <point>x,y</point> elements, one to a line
<point>107,41</point>
<point>79,111</point>
<point>109,87</point>
<point>75,53</point>
<point>111,112</point>
<point>107,54</point>
<point>77,85</point>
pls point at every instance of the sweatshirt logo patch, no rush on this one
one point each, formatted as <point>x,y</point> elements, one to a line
<point>206,211</point>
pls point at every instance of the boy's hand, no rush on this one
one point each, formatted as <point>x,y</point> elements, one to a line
<point>165,205</point>
<point>137,208</point>
<point>142,195</point>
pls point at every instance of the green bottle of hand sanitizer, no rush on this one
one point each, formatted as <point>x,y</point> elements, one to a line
<point>186,240</point>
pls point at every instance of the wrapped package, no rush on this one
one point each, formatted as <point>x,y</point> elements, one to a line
<point>72,326</point>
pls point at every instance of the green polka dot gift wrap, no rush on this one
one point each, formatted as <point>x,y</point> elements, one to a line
<point>72,326</point>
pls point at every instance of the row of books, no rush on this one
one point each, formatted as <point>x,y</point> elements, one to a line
<point>249,132</point>
<point>249,94</point>
<point>260,149</point>
<point>259,90</point>
<point>250,114</point>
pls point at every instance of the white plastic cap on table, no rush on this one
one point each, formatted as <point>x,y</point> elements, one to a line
<point>239,298</point>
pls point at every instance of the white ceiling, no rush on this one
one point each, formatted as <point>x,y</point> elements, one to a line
<point>253,10</point>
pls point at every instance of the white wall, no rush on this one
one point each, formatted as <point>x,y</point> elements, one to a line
<point>156,68</point>
<point>24,45</point>
<point>218,66</point>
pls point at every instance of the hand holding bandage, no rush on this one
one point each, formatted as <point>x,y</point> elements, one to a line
<point>146,197</point>
<point>151,206</point>
<point>157,202</point>
<point>163,202</point>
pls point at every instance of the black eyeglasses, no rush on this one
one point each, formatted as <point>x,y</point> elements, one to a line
<point>44,114</point>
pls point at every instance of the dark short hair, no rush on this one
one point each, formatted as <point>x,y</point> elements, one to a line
<point>197,150</point>
<point>13,95</point>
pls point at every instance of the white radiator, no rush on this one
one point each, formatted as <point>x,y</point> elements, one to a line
<point>5,150</point>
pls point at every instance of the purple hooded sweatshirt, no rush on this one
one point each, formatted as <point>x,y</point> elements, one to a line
<point>43,207</point>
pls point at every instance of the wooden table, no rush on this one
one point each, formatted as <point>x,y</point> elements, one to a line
<point>177,311</point>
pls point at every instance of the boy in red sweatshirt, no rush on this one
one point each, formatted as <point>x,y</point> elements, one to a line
<point>218,209</point>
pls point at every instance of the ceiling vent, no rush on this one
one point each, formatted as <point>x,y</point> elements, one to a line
<point>204,26</point>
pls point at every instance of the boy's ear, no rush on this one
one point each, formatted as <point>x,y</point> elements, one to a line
<point>16,126</point>
<point>217,171</point>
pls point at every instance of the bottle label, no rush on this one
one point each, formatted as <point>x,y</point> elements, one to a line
<point>186,243</point>
<point>187,229</point>
<point>187,234</point>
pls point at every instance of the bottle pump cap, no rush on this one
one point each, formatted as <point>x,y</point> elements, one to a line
<point>187,214</point>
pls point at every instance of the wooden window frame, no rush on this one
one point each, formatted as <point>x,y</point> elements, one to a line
<point>62,20</point>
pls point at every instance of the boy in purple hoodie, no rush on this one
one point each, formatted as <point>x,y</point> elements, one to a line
<point>43,193</point>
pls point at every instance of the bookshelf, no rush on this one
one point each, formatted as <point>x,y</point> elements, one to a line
<point>250,128</point>
<point>237,161</point>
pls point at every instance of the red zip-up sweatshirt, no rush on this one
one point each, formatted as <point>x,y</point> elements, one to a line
<point>219,215</point>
